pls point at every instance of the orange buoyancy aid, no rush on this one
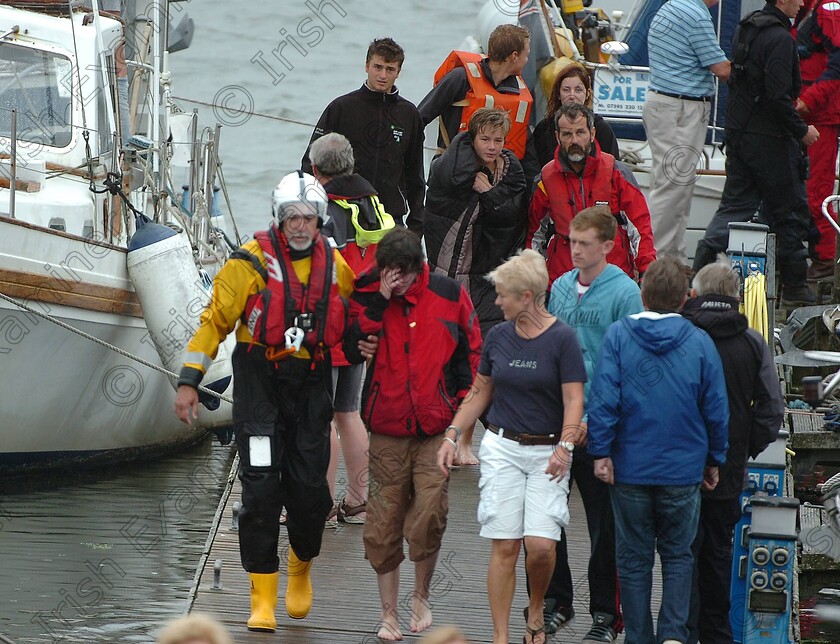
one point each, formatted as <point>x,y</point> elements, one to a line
<point>566,201</point>
<point>482,93</point>
<point>316,307</point>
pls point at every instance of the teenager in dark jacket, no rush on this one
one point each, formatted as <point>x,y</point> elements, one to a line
<point>475,210</point>
<point>476,214</point>
<point>386,133</point>
<point>756,410</point>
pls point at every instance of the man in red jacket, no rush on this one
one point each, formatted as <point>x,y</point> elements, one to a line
<point>581,176</point>
<point>818,42</point>
<point>424,365</point>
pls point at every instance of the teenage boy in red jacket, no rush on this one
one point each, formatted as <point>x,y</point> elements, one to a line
<point>428,351</point>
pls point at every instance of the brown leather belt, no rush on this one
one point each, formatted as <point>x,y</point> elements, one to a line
<point>525,439</point>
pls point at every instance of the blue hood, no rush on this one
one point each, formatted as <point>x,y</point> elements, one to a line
<point>660,333</point>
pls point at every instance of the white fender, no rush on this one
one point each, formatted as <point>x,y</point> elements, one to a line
<point>173,295</point>
<point>493,14</point>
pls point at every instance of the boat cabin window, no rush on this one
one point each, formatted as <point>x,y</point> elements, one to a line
<point>38,85</point>
<point>58,223</point>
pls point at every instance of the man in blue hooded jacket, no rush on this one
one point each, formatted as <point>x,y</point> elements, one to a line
<point>658,427</point>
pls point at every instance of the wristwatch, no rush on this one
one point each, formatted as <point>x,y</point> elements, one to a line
<point>567,445</point>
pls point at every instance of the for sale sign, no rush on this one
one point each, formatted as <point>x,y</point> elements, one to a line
<point>620,92</point>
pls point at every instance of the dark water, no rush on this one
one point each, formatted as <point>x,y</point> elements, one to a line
<point>107,555</point>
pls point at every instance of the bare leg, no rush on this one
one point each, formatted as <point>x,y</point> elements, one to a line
<point>540,565</point>
<point>332,470</point>
<point>354,447</point>
<point>501,584</point>
<point>421,608</point>
<point>389,587</point>
<point>465,454</point>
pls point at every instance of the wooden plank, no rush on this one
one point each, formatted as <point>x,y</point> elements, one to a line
<point>34,287</point>
<point>346,604</point>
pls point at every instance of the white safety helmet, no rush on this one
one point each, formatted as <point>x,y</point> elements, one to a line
<point>299,193</point>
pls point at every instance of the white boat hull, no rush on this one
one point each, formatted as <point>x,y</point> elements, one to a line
<point>64,397</point>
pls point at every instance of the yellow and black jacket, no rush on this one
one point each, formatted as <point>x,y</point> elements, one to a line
<point>235,283</point>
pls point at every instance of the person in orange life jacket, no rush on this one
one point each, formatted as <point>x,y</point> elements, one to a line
<point>818,39</point>
<point>356,219</point>
<point>572,85</point>
<point>581,176</point>
<point>386,133</point>
<point>476,215</point>
<point>286,289</point>
<point>427,356</point>
<point>465,82</point>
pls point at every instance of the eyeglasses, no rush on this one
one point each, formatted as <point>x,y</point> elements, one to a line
<point>300,220</point>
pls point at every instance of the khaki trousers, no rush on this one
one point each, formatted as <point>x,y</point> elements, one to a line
<point>676,131</point>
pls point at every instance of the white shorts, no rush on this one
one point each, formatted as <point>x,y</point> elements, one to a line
<point>517,498</point>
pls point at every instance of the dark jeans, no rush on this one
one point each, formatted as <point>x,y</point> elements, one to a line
<point>651,518</point>
<point>766,173</point>
<point>708,619</point>
<point>602,575</point>
<point>286,407</point>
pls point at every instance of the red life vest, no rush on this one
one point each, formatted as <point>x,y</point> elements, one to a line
<point>274,309</point>
<point>593,189</point>
<point>482,93</point>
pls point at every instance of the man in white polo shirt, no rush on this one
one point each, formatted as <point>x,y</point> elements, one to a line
<point>684,58</point>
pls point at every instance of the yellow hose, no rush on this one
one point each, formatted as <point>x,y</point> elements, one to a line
<point>755,303</point>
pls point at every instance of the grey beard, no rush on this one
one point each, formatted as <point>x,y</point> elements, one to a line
<point>299,247</point>
<point>576,158</point>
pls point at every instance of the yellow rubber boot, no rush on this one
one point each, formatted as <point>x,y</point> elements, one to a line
<point>299,588</point>
<point>263,602</point>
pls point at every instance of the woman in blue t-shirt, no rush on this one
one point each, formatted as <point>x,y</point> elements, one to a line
<point>531,376</point>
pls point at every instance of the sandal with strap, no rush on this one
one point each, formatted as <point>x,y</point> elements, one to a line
<point>533,632</point>
<point>350,513</point>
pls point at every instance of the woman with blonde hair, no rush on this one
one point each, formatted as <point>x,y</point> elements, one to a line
<point>531,376</point>
<point>196,628</point>
<point>445,635</point>
<point>572,85</point>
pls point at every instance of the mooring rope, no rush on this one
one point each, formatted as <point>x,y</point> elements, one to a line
<point>107,345</point>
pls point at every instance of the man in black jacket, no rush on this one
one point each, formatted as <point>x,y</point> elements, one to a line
<point>386,133</point>
<point>756,410</point>
<point>766,164</point>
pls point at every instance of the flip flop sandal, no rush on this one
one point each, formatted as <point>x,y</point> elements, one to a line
<point>350,513</point>
<point>533,632</point>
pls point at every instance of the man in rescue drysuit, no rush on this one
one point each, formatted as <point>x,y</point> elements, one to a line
<point>286,288</point>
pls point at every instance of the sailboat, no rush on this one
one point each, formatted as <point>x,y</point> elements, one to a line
<point>94,157</point>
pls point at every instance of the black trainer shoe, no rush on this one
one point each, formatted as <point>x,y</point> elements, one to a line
<point>553,616</point>
<point>602,630</point>
<point>556,617</point>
